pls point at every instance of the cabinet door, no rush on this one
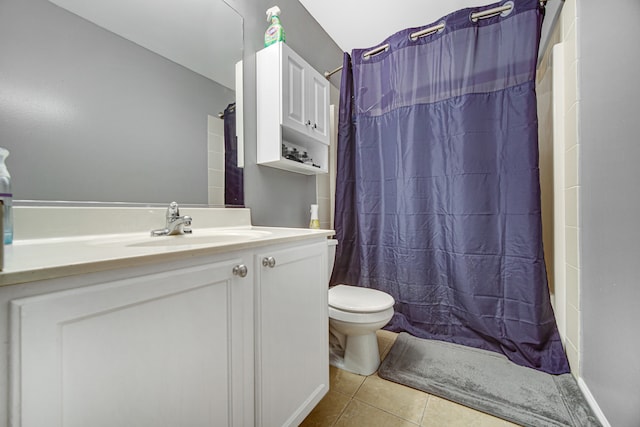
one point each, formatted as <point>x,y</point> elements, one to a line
<point>319,106</point>
<point>163,349</point>
<point>294,101</point>
<point>292,370</point>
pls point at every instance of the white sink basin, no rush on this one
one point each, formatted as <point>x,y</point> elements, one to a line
<point>204,238</point>
<point>200,237</point>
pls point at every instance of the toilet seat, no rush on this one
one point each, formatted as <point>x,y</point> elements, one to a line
<point>359,305</point>
<point>356,299</point>
<point>361,318</point>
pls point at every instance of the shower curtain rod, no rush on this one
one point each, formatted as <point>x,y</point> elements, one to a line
<point>221,114</point>
<point>431,30</point>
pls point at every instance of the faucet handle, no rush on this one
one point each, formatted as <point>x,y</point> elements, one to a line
<point>173,211</point>
<point>186,227</point>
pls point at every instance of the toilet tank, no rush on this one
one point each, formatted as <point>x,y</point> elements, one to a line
<point>332,243</point>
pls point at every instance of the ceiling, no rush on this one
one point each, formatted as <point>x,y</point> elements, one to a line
<point>363,24</point>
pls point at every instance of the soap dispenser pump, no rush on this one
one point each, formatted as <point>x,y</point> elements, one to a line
<point>6,196</point>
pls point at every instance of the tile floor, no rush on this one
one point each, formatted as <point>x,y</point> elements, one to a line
<point>358,401</point>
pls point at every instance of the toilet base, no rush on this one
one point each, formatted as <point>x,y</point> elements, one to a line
<point>361,354</point>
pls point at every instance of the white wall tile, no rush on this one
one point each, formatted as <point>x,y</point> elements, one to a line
<point>572,246</point>
<point>324,213</point>
<point>215,143</point>
<point>216,196</point>
<point>573,286</point>
<point>570,45</point>
<point>571,163</point>
<point>568,17</point>
<point>216,160</point>
<point>322,185</point>
<point>215,125</point>
<point>571,126</point>
<point>571,206</point>
<point>216,178</point>
<point>573,326</point>
<point>571,83</point>
<point>574,359</point>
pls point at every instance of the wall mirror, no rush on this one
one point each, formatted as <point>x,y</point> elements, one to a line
<point>122,100</point>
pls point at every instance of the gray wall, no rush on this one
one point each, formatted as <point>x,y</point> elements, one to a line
<point>280,198</point>
<point>609,135</point>
<point>86,113</point>
<point>40,42</point>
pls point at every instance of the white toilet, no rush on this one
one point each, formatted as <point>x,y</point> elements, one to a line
<point>355,314</point>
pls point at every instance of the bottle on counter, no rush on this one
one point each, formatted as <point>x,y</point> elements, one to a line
<point>6,196</point>
<point>315,222</point>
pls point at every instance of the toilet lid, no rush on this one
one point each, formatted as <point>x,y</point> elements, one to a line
<point>359,300</point>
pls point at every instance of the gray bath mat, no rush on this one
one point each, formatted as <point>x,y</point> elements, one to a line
<point>488,382</point>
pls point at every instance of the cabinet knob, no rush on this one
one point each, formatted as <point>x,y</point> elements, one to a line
<point>269,262</point>
<point>308,123</point>
<point>240,270</point>
<point>315,126</point>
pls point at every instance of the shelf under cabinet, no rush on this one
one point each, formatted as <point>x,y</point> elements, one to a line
<point>293,166</point>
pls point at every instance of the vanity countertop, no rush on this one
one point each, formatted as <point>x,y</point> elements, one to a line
<point>39,259</point>
<point>68,249</point>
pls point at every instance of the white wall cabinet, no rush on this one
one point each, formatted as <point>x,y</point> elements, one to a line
<point>292,110</point>
<point>305,96</point>
<point>292,372</point>
<point>181,344</point>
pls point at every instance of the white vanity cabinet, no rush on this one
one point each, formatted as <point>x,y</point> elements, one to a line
<point>159,349</point>
<point>292,354</point>
<point>188,342</point>
<point>292,110</point>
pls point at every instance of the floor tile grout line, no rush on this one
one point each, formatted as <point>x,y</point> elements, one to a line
<point>352,397</point>
<point>342,393</point>
<point>385,411</point>
<point>424,410</point>
<point>391,413</point>
<point>342,412</point>
<point>361,384</point>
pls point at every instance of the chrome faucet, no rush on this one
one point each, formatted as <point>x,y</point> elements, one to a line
<point>176,224</point>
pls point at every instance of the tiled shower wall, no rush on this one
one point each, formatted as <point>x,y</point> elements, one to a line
<point>215,161</point>
<point>544,92</point>
<point>569,37</point>
<point>325,183</point>
<point>567,265</point>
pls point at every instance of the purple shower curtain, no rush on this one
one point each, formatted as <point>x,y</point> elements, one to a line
<point>233,175</point>
<point>438,194</point>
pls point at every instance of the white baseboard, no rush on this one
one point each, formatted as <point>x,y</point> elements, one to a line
<point>592,402</point>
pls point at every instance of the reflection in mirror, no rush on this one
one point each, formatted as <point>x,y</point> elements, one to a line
<point>119,100</point>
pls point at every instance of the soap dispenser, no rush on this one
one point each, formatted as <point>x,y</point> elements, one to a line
<point>315,222</point>
<point>6,196</point>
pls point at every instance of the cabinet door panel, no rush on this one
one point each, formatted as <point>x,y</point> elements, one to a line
<point>161,349</point>
<point>292,325</point>
<point>294,95</point>
<point>319,107</point>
